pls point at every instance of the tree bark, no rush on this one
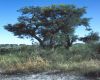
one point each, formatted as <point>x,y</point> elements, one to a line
<point>40,41</point>
<point>68,42</point>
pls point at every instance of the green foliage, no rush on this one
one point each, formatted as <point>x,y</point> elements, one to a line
<point>25,58</point>
<point>95,47</point>
<point>92,37</point>
<point>43,23</point>
<point>82,52</point>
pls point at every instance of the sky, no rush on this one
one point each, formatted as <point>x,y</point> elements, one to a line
<point>9,14</point>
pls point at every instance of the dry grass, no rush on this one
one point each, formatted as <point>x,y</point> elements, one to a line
<point>78,58</point>
<point>36,65</point>
<point>83,67</point>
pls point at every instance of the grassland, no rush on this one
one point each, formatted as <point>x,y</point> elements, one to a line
<point>80,58</point>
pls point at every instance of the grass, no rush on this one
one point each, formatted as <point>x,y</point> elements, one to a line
<point>79,58</point>
<point>14,64</point>
<point>81,67</point>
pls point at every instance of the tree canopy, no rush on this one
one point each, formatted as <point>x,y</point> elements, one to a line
<point>91,37</point>
<point>46,23</point>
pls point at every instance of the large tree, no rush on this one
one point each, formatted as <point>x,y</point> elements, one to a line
<point>44,23</point>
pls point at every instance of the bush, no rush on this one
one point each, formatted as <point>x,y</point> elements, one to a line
<point>33,58</point>
<point>95,47</point>
<point>82,52</point>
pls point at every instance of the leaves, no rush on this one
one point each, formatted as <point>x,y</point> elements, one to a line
<point>92,37</point>
<point>43,23</point>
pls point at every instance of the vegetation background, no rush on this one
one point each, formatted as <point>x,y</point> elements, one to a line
<point>54,28</point>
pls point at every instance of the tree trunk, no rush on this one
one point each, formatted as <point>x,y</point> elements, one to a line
<point>51,42</point>
<point>68,42</point>
<point>40,41</point>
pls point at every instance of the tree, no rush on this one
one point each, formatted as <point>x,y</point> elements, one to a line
<point>43,23</point>
<point>91,37</point>
<point>65,39</point>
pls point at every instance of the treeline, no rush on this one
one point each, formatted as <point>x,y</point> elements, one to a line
<point>13,48</point>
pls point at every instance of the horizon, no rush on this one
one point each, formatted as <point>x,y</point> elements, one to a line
<point>9,14</point>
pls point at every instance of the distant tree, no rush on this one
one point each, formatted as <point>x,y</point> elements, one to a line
<point>92,37</point>
<point>43,23</point>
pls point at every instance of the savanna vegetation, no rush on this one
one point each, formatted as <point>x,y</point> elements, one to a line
<point>54,28</point>
<point>28,58</point>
